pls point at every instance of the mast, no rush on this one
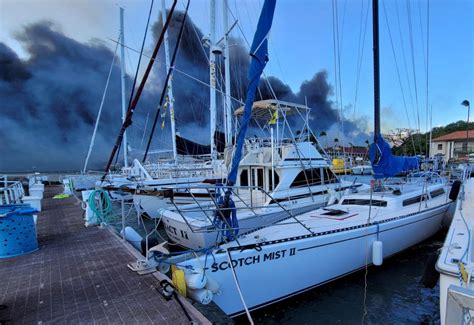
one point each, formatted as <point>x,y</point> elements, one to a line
<point>212,79</point>
<point>375,27</point>
<point>228,107</point>
<point>123,80</point>
<point>170,88</point>
<point>431,130</point>
<point>133,103</point>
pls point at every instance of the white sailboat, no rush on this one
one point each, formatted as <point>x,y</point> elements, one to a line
<point>276,180</point>
<point>311,249</point>
<point>185,171</point>
<point>319,246</point>
<point>151,176</point>
<point>456,260</point>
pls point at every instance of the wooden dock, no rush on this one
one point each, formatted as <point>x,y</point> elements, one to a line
<point>80,275</point>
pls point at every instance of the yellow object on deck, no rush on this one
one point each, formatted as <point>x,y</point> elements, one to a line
<point>179,282</point>
<point>61,196</point>
<point>338,166</point>
<point>463,272</point>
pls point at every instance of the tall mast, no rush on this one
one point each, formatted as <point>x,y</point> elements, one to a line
<point>123,80</point>
<point>375,26</point>
<point>134,101</point>
<point>228,107</point>
<point>170,88</point>
<point>212,79</point>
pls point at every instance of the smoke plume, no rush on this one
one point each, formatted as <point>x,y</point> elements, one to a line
<point>50,100</point>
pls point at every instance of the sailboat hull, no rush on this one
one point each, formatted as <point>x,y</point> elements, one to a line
<point>277,270</point>
<point>201,237</point>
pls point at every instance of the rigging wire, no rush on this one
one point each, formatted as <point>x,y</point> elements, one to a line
<point>335,61</point>
<point>144,129</point>
<point>339,50</point>
<point>141,54</point>
<point>132,106</point>
<point>360,54</point>
<point>405,63</point>
<point>165,85</point>
<point>100,110</point>
<point>398,71</point>
<point>175,69</point>
<point>137,70</point>
<point>427,67</point>
<point>412,52</point>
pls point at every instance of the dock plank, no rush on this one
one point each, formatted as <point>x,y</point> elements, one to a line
<point>79,275</point>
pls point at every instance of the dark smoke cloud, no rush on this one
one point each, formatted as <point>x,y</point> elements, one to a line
<point>194,96</point>
<point>50,100</point>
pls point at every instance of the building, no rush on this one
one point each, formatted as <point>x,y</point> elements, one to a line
<point>352,152</point>
<point>453,145</point>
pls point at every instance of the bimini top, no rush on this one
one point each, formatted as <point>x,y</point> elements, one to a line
<point>265,109</point>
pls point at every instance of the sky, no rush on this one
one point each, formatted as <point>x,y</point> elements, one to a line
<point>302,43</point>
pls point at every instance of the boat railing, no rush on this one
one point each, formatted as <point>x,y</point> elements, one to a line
<point>184,170</point>
<point>251,201</point>
<point>466,172</point>
<point>11,192</point>
<point>426,176</point>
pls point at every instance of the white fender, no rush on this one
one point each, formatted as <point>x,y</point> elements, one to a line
<point>133,238</point>
<point>195,279</point>
<point>203,296</point>
<point>377,253</point>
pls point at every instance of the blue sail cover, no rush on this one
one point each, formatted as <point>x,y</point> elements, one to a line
<point>259,58</point>
<point>385,164</point>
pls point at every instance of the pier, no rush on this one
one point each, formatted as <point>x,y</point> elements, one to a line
<point>80,275</point>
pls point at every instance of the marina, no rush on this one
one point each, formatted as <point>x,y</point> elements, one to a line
<point>80,275</point>
<point>227,163</point>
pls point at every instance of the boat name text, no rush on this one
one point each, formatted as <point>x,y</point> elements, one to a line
<point>264,257</point>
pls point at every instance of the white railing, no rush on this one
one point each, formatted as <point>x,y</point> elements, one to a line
<point>11,192</point>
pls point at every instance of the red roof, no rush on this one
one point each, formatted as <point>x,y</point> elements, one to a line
<point>458,135</point>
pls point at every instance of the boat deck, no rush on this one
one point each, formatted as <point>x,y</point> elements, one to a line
<point>456,247</point>
<point>340,217</point>
<point>80,275</point>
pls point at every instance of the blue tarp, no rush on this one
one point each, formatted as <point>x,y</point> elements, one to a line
<point>385,164</point>
<point>259,54</point>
